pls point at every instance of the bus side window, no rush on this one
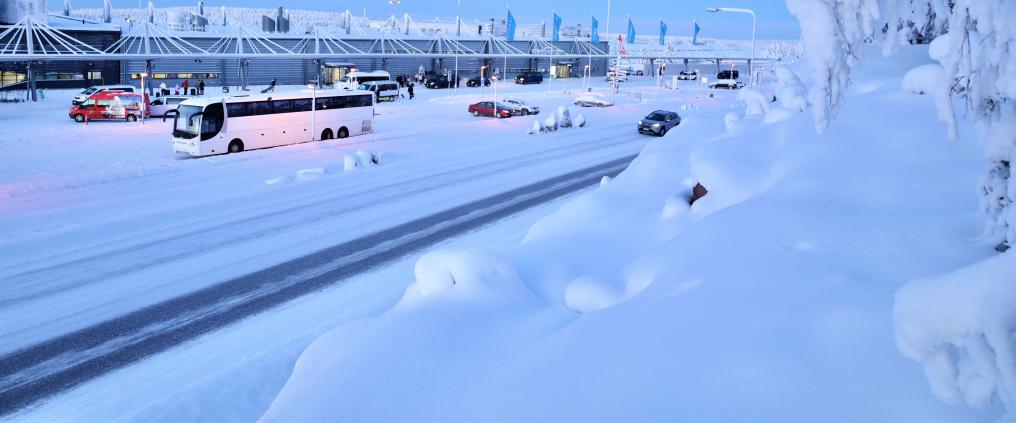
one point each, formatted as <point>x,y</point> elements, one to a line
<point>238,109</point>
<point>262,108</point>
<point>301,105</point>
<point>282,106</point>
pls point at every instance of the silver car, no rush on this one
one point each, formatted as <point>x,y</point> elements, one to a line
<point>659,122</point>
<point>522,108</point>
<point>165,104</point>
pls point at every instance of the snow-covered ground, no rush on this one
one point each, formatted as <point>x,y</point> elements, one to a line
<point>772,298</point>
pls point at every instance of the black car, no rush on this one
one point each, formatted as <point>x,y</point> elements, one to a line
<point>659,122</point>
<point>727,74</point>
<point>439,82</point>
<point>529,78</point>
<point>475,82</point>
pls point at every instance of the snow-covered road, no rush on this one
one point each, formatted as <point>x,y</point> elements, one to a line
<point>101,221</point>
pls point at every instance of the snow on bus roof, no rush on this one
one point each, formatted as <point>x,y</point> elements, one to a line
<point>239,98</point>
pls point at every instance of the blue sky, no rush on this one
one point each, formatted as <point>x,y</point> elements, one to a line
<point>773,19</point>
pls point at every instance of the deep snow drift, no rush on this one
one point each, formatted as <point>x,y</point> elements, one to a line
<point>769,299</point>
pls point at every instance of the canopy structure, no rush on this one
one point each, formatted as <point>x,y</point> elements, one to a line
<point>30,38</point>
<point>149,40</point>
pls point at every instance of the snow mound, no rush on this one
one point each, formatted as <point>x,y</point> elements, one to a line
<point>349,163</point>
<point>779,114</point>
<point>464,275</point>
<point>923,79</point>
<point>755,103</point>
<point>673,207</point>
<point>310,174</point>
<point>587,295</point>
<point>604,180</point>
<point>960,327</point>
<point>367,158</point>
<point>730,120</point>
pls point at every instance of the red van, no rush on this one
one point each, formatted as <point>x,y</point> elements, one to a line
<point>112,105</point>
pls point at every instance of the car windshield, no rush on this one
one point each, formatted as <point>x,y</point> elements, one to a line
<point>661,116</point>
<point>187,122</point>
<point>88,91</point>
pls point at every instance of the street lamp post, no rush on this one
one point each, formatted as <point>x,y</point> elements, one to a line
<point>144,104</point>
<point>751,63</point>
<point>313,108</point>
<point>482,69</point>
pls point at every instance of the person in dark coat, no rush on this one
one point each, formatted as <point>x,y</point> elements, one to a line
<point>410,89</point>
<point>201,87</point>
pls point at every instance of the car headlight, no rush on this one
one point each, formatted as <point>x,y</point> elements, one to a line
<point>656,125</point>
<point>640,123</point>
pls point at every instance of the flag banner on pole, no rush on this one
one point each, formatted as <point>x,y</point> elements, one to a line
<point>663,33</point>
<point>510,30</point>
<point>694,35</point>
<point>595,35</point>
<point>556,34</point>
<point>621,43</point>
<point>631,32</point>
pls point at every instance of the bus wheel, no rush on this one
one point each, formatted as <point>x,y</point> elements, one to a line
<point>132,118</point>
<point>235,146</point>
<point>343,132</point>
<point>79,118</point>
<point>326,134</point>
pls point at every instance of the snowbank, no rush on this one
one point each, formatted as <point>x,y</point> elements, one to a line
<point>961,326</point>
<point>923,79</point>
<point>773,292</point>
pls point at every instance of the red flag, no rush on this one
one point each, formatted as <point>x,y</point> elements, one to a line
<point>620,41</point>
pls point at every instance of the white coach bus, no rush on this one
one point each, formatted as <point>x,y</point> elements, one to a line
<point>232,124</point>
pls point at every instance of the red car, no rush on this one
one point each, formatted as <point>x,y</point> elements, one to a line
<point>112,105</point>
<point>486,108</point>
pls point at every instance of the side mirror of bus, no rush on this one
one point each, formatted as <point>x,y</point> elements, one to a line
<point>165,115</point>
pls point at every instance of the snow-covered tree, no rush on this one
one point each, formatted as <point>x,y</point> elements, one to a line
<point>973,40</point>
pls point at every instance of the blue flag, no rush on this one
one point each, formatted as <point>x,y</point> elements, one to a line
<point>631,32</point>
<point>556,35</point>
<point>510,30</point>
<point>694,36</point>
<point>595,36</point>
<point>663,33</point>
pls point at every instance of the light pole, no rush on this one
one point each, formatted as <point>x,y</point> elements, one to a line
<point>482,69</point>
<point>144,94</point>
<point>458,10</point>
<point>751,78</point>
<point>585,78</point>
<point>313,108</point>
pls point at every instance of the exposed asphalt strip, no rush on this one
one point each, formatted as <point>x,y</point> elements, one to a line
<point>40,371</point>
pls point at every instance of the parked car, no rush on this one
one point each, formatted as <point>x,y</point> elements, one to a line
<point>592,100</point>
<point>622,76</point>
<point>520,107</point>
<point>475,82</point>
<point>726,84</point>
<point>529,78</point>
<point>112,105</point>
<point>659,122</point>
<point>486,108</point>
<point>439,81</point>
<point>640,73</point>
<point>727,74</point>
<point>383,90</point>
<point>165,104</point>
<point>687,75</point>
<point>81,97</point>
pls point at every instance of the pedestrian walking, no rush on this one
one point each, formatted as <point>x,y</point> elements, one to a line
<point>176,89</point>
<point>201,87</point>
<point>163,90</point>
<point>186,87</point>
<point>410,89</point>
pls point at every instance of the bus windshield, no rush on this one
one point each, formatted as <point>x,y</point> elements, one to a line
<point>187,123</point>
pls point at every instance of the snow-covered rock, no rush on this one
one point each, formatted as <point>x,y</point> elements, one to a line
<point>537,127</point>
<point>564,117</point>
<point>730,120</point>
<point>923,79</point>
<point>580,120</point>
<point>550,124</point>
